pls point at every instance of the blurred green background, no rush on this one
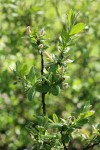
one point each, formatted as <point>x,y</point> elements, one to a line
<point>84,83</point>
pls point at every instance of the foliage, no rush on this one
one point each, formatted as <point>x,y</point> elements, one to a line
<point>57,133</point>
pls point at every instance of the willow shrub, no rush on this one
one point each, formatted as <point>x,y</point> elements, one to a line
<point>55,132</point>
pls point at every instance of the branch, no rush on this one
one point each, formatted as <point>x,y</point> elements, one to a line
<point>43,94</point>
<point>64,145</point>
<point>91,146</point>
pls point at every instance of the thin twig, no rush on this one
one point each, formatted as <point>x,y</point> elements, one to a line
<point>43,103</point>
<point>43,94</point>
<point>91,146</point>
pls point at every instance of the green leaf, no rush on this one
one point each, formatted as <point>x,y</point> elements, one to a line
<point>42,88</point>
<point>55,90</point>
<point>23,70</point>
<point>49,136</point>
<point>55,125</point>
<point>18,66</point>
<point>53,68</point>
<point>70,15</point>
<point>85,115</point>
<point>60,39</point>
<point>65,138</point>
<point>55,118</point>
<point>77,28</point>
<point>31,93</point>
<point>40,128</point>
<point>87,106</point>
<point>31,75</point>
<point>81,122</point>
<point>89,113</point>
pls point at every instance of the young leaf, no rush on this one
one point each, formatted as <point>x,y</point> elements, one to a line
<point>86,114</point>
<point>55,125</point>
<point>89,113</point>
<point>55,90</point>
<point>23,70</point>
<point>53,68</point>
<point>31,75</point>
<point>31,93</point>
<point>87,106</point>
<point>18,66</point>
<point>70,15</point>
<point>69,61</point>
<point>55,118</point>
<point>81,122</point>
<point>77,28</point>
<point>65,138</point>
<point>42,88</point>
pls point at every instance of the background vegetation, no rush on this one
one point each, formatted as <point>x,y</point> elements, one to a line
<point>84,82</point>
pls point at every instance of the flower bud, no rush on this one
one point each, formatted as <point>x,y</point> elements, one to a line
<point>29,30</point>
<point>40,46</point>
<point>43,32</point>
<point>48,55</point>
